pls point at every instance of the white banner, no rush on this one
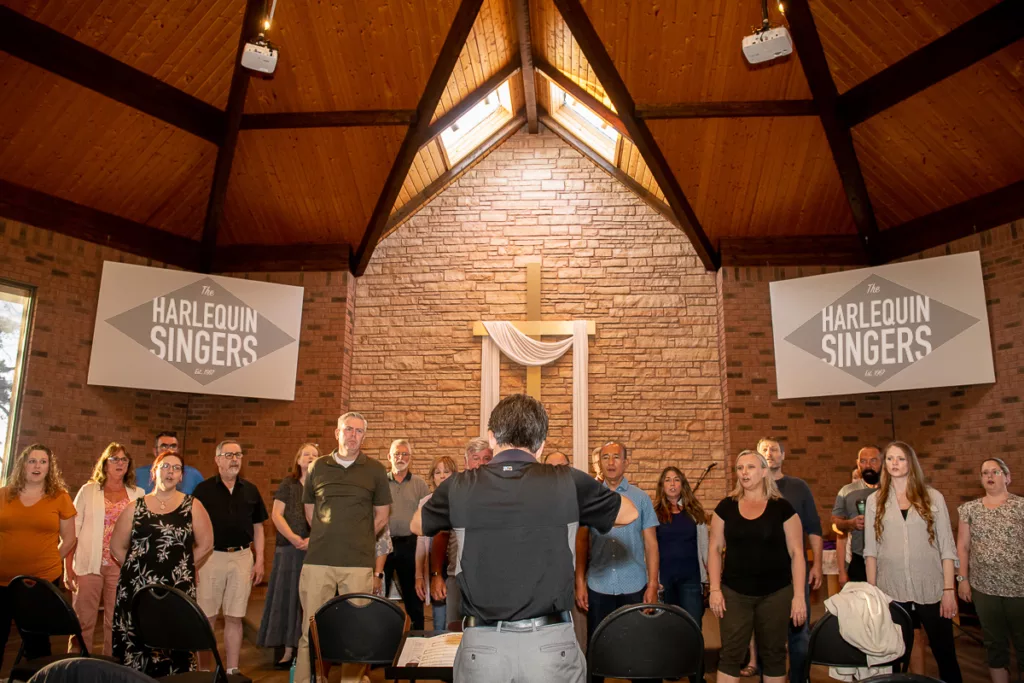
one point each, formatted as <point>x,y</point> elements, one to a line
<point>902,326</point>
<point>173,330</point>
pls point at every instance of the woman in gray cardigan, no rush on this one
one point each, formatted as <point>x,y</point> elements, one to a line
<point>909,554</point>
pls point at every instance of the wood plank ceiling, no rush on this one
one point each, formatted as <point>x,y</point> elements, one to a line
<point>746,151</point>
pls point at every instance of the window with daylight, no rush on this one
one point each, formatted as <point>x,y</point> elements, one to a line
<point>587,126</point>
<point>15,312</point>
<point>476,125</point>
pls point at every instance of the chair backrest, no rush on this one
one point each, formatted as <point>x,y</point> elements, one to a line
<point>357,627</point>
<point>166,618</point>
<point>88,670</point>
<point>827,647</point>
<point>40,609</point>
<point>631,643</point>
<point>901,678</point>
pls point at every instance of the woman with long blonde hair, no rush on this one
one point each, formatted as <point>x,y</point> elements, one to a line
<point>281,624</point>
<point>752,587</point>
<point>682,542</point>
<point>90,573</point>
<point>37,531</point>
<point>909,554</point>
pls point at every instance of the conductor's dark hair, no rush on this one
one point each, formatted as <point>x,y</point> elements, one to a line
<point>519,421</point>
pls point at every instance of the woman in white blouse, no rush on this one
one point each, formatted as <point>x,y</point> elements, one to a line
<point>90,574</point>
<point>909,554</point>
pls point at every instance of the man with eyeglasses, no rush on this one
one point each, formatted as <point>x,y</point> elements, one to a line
<point>167,442</point>
<point>620,567</point>
<point>407,490</point>
<point>237,513</point>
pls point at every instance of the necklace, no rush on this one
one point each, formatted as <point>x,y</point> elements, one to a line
<point>163,501</point>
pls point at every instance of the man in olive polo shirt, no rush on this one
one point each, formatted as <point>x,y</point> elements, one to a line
<point>347,500</point>
<point>516,521</point>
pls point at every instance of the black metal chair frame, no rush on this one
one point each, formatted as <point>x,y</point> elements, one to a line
<point>171,593</point>
<point>900,664</point>
<point>66,624</point>
<point>622,612</point>
<point>314,643</point>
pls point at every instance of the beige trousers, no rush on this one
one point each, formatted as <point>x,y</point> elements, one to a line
<point>93,589</point>
<point>318,584</point>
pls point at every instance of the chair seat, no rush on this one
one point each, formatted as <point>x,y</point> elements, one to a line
<point>28,667</point>
<point>202,677</point>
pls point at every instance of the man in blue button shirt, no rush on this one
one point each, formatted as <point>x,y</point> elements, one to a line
<point>620,567</point>
<point>167,442</point>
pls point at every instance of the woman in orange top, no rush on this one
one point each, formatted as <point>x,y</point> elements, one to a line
<point>37,529</point>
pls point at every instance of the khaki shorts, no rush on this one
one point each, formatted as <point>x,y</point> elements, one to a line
<point>225,582</point>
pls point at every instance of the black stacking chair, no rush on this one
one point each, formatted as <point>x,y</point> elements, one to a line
<point>166,618</point>
<point>828,648</point>
<point>88,670</point>
<point>356,628</point>
<point>41,610</point>
<point>633,644</point>
<point>901,678</point>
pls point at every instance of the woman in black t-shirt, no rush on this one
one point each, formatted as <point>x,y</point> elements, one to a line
<point>753,592</point>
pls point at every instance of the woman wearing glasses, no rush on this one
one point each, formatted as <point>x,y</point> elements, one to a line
<point>159,538</point>
<point>89,572</point>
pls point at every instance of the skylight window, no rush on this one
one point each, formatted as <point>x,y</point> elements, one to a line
<point>584,123</point>
<point>476,125</point>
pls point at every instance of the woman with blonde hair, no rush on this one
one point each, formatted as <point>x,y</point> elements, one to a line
<point>37,531</point>
<point>909,554</point>
<point>281,624</point>
<point>442,468</point>
<point>992,567</point>
<point>682,542</point>
<point>90,573</point>
<point>752,587</point>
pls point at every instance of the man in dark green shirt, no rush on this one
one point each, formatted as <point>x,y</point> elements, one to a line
<point>347,500</point>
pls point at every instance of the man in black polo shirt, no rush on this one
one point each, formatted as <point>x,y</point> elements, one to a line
<point>516,521</point>
<point>237,513</point>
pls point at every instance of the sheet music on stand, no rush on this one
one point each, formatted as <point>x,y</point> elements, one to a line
<point>436,651</point>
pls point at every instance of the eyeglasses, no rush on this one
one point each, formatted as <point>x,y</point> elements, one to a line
<point>167,447</point>
<point>118,459</point>
<point>233,456</point>
<point>168,467</point>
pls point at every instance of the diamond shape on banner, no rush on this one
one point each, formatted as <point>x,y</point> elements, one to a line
<point>137,324</point>
<point>945,322</point>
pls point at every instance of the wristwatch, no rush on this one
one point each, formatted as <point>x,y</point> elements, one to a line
<point>379,575</point>
<point>960,578</point>
<point>432,574</point>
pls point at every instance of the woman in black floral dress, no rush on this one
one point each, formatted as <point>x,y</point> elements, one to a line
<point>160,538</point>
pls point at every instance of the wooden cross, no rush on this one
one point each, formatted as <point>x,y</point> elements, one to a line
<point>534,327</point>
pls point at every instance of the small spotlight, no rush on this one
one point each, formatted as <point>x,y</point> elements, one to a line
<point>782,8</point>
<point>266,22</point>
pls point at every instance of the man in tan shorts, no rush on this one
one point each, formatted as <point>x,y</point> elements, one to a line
<point>237,513</point>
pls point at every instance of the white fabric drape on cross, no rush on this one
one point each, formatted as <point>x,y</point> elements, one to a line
<point>503,337</point>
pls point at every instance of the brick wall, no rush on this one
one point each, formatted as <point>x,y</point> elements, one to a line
<point>951,428</point>
<point>655,378</point>
<point>77,420</point>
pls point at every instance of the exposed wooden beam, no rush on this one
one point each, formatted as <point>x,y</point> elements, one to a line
<point>840,141</point>
<point>522,10</point>
<point>580,95</point>
<point>728,110</point>
<point>42,210</point>
<point>972,41</point>
<point>276,258</point>
<point>226,152</point>
<point>473,98</point>
<point>797,250</point>
<point>329,119</point>
<point>614,171</point>
<point>593,49</point>
<point>455,172</point>
<point>418,133</point>
<point>64,56</point>
<point>960,220</point>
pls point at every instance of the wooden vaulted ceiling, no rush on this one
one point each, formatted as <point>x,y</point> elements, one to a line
<point>895,125</point>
